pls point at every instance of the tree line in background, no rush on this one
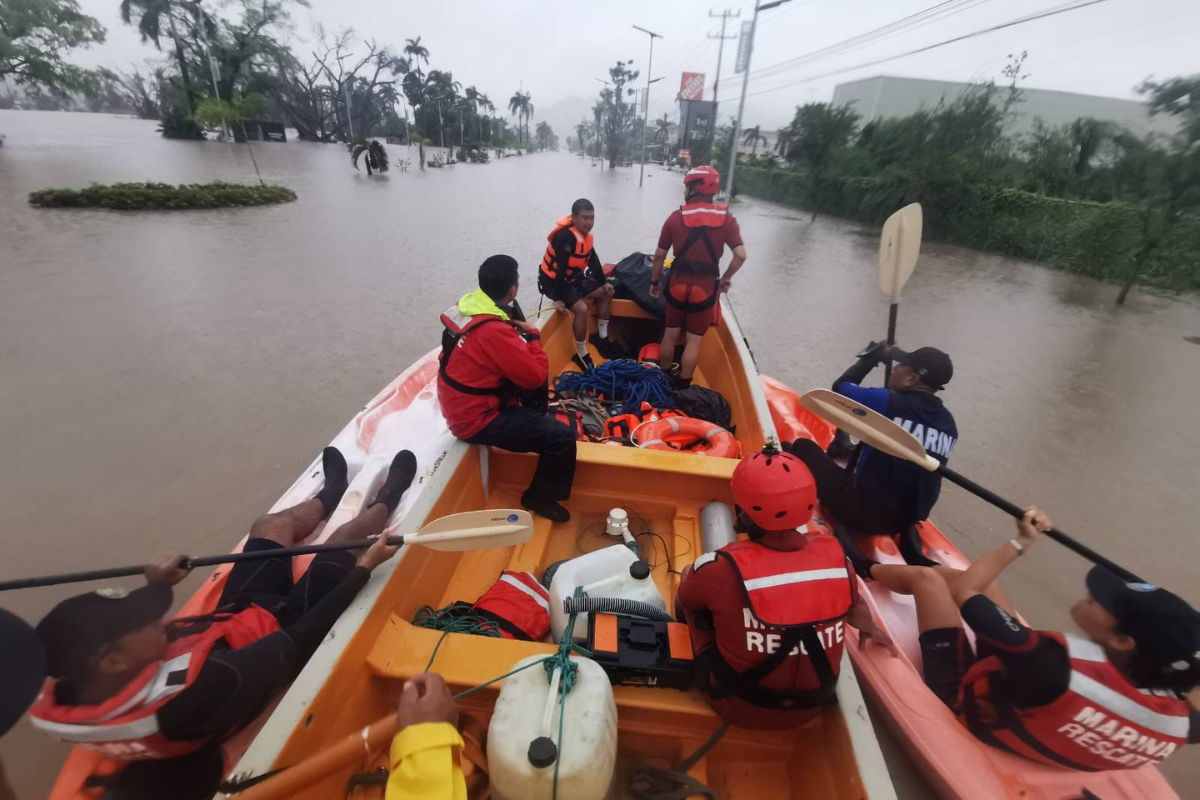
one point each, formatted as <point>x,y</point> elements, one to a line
<point>223,63</point>
<point>1090,196</point>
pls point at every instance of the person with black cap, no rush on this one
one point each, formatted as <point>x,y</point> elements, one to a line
<point>132,686</point>
<point>877,494</point>
<point>1111,699</point>
<point>22,672</point>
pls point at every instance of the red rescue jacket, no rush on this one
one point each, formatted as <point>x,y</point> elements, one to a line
<point>579,258</point>
<point>481,357</point>
<point>1101,722</point>
<point>125,726</point>
<point>518,604</point>
<point>699,256</point>
<point>773,629</point>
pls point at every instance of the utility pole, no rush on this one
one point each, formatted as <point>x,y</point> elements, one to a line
<point>600,133</point>
<point>737,127</point>
<point>649,69</point>
<point>724,15</point>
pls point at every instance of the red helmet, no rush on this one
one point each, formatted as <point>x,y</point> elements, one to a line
<point>705,180</point>
<point>775,490</point>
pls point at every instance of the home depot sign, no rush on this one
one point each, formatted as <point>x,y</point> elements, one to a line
<point>691,87</point>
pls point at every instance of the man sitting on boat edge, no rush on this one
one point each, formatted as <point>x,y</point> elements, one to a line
<point>492,386</point>
<point>877,494</point>
<point>136,688</point>
<point>1113,700</point>
<point>767,615</point>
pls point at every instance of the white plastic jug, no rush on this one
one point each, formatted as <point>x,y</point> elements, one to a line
<point>603,573</point>
<point>587,754</point>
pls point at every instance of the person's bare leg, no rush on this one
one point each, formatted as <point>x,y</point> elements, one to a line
<point>666,350</point>
<point>603,303</point>
<point>993,591</point>
<point>290,525</point>
<point>370,522</point>
<point>579,315</point>
<point>691,355</point>
<point>935,603</point>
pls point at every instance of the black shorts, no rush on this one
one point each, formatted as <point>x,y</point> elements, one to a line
<point>268,583</point>
<point>947,656</point>
<point>573,290</point>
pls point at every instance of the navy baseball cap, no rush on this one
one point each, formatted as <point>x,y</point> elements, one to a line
<point>934,366</point>
<point>77,629</point>
<point>22,668</point>
<point>1165,628</point>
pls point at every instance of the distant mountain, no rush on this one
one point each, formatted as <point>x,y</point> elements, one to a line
<point>563,115</point>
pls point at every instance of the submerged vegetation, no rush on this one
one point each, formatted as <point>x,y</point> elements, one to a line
<point>162,196</point>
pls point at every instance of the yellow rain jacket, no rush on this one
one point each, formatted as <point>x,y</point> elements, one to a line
<point>426,764</point>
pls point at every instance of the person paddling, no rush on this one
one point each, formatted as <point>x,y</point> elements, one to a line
<point>492,386</point>
<point>878,494</point>
<point>130,685</point>
<point>571,275</point>
<point>767,615</point>
<point>698,232</point>
<point>1110,699</point>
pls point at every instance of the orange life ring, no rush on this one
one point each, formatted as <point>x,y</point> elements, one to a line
<point>678,433</point>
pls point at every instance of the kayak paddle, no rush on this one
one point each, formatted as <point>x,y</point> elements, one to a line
<point>888,437</point>
<point>470,530</point>
<point>899,245</point>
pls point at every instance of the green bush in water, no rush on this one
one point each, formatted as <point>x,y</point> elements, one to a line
<point>162,196</point>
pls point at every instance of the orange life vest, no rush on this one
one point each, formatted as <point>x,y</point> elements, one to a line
<point>518,604</point>
<point>1101,722</point>
<point>796,602</point>
<point>125,726</point>
<point>580,256</point>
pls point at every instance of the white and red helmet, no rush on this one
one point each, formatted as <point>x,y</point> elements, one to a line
<point>704,180</point>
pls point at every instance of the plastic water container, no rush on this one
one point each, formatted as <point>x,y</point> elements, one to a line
<point>611,572</point>
<point>716,526</point>
<point>527,711</point>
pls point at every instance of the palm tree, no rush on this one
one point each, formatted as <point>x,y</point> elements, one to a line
<point>150,15</point>
<point>753,136</point>
<point>489,106</point>
<point>376,155</point>
<point>418,53</point>
<point>545,134</point>
<point>784,137</point>
<point>520,106</point>
<point>581,133</point>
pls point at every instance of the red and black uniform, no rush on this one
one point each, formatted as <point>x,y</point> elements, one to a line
<point>492,391</point>
<point>769,623</point>
<point>570,268</point>
<point>698,233</point>
<point>1051,697</point>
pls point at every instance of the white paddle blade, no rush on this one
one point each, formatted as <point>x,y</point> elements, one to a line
<point>899,245</point>
<point>868,426</point>
<point>475,530</point>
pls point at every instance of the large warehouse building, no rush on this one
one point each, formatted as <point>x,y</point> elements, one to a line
<point>890,96</point>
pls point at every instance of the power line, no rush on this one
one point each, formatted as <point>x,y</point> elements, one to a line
<point>1011,23</point>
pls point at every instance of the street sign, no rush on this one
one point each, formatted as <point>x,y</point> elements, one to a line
<point>745,45</point>
<point>691,87</point>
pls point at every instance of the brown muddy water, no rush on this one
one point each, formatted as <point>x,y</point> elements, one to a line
<point>165,376</point>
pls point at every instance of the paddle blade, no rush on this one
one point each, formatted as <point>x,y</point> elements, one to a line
<point>869,426</point>
<point>475,530</point>
<point>899,245</point>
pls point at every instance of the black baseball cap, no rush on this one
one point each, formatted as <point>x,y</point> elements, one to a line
<point>1165,628</point>
<point>76,630</point>
<point>22,668</point>
<point>934,366</point>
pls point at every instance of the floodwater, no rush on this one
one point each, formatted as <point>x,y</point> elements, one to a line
<point>165,376</point>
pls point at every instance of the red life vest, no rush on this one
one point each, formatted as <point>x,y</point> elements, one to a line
<point>1101,722</point>
<point>457,325</point>
<point>580,256</point>
<point>125,726</point>
<point>518,604</point>
<point>699,217</point>
<point>796,601</point>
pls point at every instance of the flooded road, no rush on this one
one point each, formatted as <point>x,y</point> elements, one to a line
<point>165,376</point>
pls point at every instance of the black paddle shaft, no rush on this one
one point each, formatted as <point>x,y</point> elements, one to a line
<point>192,563</point>
<point>1055,534</point>
<point>891,340</point>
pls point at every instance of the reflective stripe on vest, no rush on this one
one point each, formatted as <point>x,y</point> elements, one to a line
<point>1101,722</point>
<point>769,575</point>
<point>580,256</point>
<point>126,725</point>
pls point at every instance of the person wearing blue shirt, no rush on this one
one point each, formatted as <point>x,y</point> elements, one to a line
<point>877,494</point>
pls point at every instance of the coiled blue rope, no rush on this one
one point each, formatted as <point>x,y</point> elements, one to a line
<point>626,383</point>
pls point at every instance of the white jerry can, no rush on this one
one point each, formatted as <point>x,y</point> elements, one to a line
<point>523,744</point>
<point>614,572</point>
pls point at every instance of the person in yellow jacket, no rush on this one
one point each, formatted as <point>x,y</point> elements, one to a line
<point>426,755</point>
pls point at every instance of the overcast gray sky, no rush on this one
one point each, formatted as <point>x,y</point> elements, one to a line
<point>558,48</point>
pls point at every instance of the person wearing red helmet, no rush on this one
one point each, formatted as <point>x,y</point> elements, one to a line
<point>698,232</point>
<point>767,616</point>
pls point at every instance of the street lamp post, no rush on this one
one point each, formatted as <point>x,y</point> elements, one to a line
<point>600,132</point>
<point>737,127</point>
<point>649,69</point>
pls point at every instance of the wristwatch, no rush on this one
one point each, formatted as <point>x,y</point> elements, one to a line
<point>1018,546</point>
